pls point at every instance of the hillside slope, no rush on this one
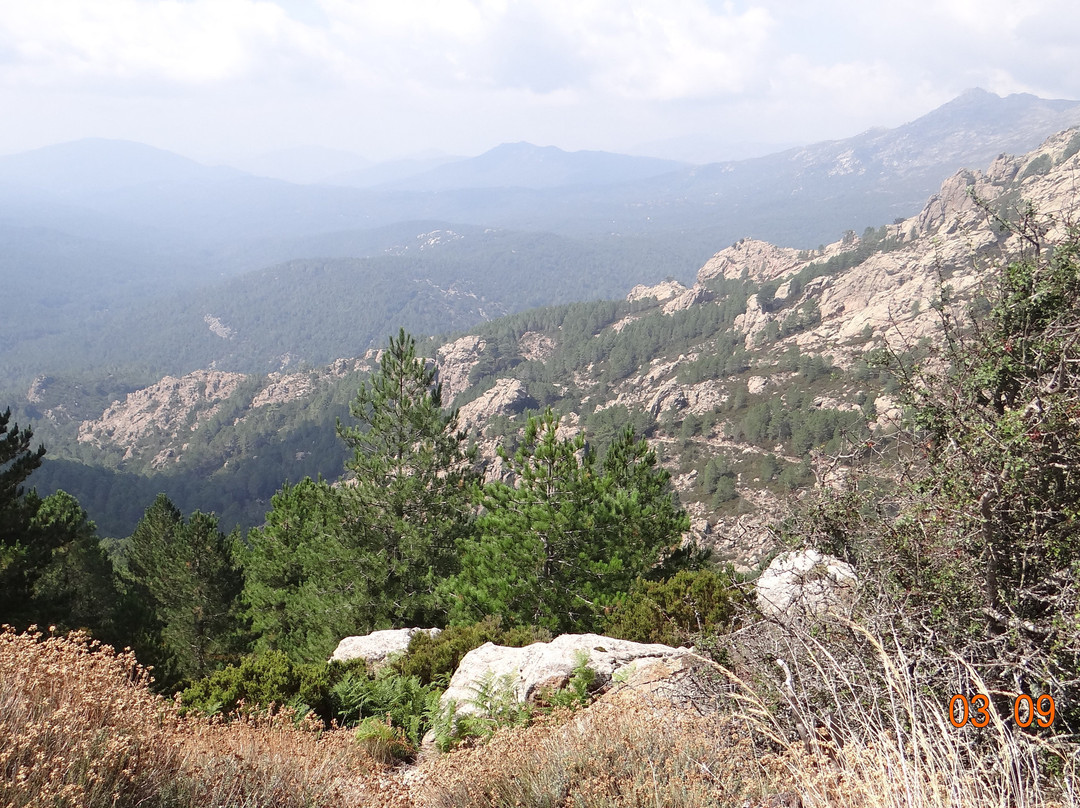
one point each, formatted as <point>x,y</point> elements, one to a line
<point>747,381</point>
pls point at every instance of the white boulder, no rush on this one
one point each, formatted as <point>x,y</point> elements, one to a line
<point>547,665</point>
<point>374,648</point>
<point>804,583</point>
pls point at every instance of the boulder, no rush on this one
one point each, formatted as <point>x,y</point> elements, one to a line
<point>374,648</point>
<point>804,583</point>
<point>685,681</point>
<point>534,668</point>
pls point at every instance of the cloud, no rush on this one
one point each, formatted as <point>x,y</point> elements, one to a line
<point>464,74</point>
<point>634,49</point>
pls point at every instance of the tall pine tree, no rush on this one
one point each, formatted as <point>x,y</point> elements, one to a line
<point>183,573</point>
<point>24,551</point>
<point>305,586</point>
<point>409,500</point>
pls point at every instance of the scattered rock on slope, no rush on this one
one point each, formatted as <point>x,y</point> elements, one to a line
<point>540,666</point>
<point>374,648</point>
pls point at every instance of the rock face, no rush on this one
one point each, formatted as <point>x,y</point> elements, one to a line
<point>804,583</point>
<point>375,647</point>
<point>282,388</point>
<point>170,407</point>
<point>661,292</point>
<point>540,666</point>
<point>536,347</point>
<point>757,260</point>
<point>506,397</point>
<point>693,296</point>
<point>455,360</point>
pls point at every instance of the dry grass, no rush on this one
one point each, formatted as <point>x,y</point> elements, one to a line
<point>872,735</point>
<point>79,727</point>
<point>609,756</point>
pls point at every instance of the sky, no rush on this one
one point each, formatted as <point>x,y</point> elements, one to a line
<point>222,80</point>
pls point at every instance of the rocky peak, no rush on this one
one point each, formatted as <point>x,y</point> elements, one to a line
<point>660,292</point>
<point>758,260</point>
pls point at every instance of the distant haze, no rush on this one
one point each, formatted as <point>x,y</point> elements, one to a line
<point>304,81</point>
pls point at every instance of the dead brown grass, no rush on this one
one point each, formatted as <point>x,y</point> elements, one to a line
<point>609,756</point>
<point>874,735</point>
<point>79,727</point>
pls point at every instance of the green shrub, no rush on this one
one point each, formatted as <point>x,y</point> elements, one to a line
<point>495,706</point>
<point>675,610</point>
<point>261,681</point>
<point>579,690</point>
<point>433,660</point>
<point>383,741</point>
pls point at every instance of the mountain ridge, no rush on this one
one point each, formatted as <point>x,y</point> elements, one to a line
<point>742,381</point>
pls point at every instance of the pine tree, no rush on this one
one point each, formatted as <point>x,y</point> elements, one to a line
<point>570,537</point>
<point>183,572</point>
<point>24,551</point>
<point>408,502</point>
<point>77,588</point>
<point>304,587</point>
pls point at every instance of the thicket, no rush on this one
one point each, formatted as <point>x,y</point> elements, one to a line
<point>968,563</point>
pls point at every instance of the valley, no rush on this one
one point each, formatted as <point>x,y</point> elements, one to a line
<point>747,381</point>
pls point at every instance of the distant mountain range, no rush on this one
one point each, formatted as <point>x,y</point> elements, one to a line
<point>745,382</point>
<point>100,235</point>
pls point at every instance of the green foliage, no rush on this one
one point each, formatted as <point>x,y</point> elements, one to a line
<point>385,742</point>
<point>53,570</point>
<point>304,584</point>
<point>434,659</point>
<point>77,587</point>
<point>494,705</point>
<point>570,536</point>
<point>579,688</point>
<point>182,573</point>
<point>717,481</point>
<point>400,701</point>
<point>676,610</point>
<point>409,501</point>
<point>797,424</point>
<point>260,681</point>
<point>977,556</point>
<point>728,358</point>
<point>23,552</point>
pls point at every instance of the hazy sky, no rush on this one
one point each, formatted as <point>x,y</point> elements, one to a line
<point>217,79</point>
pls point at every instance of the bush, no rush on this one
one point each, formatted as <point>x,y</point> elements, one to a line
<point>261,681</point>
<point>383,741</point>
<point>494,706</point>
<point>433,660</point>
<point>402,702</point>
<point>579,689</point>
<point>676,610</point>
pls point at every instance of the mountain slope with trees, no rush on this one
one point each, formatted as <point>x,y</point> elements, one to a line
<point>744,382</point>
